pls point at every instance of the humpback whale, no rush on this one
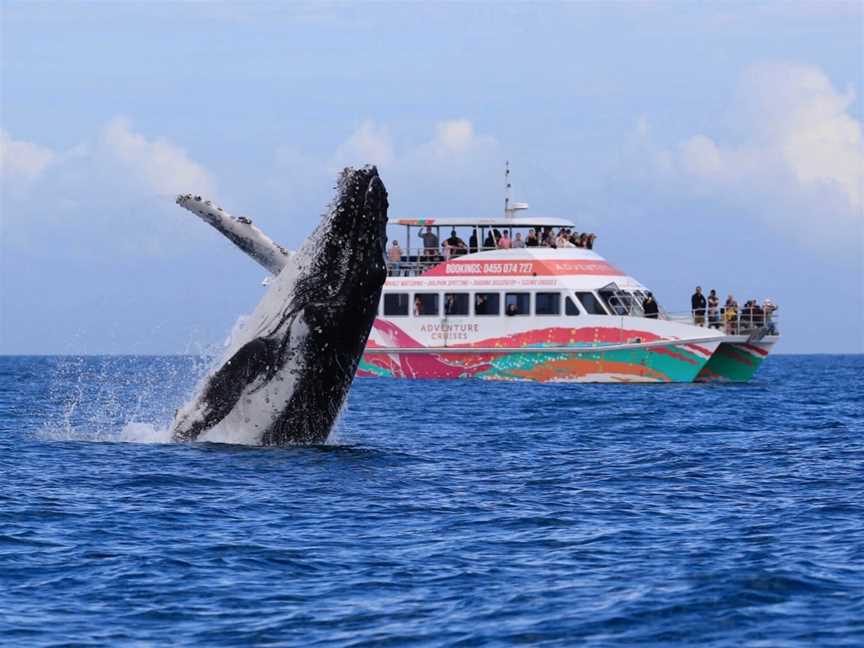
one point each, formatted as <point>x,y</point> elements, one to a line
<point>288,369</point>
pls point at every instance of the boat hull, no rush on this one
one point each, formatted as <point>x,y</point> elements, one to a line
<point>655,363</point>
<point>736,361</point>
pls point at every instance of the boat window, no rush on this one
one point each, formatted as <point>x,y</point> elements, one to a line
<point>425,304</point>
<point>591,304</point>
<point>570,307</point>
<point>395,304</point>
<point>487,304</point>
<point>455,304</point>
<point>517,304</point>
<point>640,296</point>
<point>547,303</point>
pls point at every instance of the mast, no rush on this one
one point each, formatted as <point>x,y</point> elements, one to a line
<point>510,210</point>
<point>507,212</point>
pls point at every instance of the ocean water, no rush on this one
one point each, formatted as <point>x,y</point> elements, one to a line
<point>444,513</point>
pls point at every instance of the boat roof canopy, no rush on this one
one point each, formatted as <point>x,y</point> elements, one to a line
<point>520,221</point>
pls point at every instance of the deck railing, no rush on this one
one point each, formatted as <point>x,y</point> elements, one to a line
<point>416,261</point>
<point>744,322</point>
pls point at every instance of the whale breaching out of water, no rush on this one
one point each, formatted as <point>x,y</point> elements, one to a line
<point>288,369</point>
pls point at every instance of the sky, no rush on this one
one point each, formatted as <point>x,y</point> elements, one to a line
<point>719,144</point>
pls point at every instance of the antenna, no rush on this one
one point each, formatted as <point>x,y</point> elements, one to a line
<point>507,189</point>
<point>510,210</point>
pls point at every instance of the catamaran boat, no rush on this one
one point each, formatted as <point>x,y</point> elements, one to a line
<point>562,314</point>
<point>538,313</point>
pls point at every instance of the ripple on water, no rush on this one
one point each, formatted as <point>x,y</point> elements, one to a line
<point>446,513</point>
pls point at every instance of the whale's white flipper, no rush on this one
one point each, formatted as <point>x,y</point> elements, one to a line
<point>239,231</point>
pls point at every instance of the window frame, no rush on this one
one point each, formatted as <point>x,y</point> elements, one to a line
<point>597,300</point>
<point>525,293</point>
<point>474,304</point>
<point>466,294</point>
<point>537,301</point>
<point>420,293</point>
<point>383,306</point>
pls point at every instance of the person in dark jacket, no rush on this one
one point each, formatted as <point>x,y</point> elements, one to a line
<point>650,306</point>
<point>697,307</point>
<point>472,241</point>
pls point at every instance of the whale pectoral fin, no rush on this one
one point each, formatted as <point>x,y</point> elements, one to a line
<point>224,387</point>
<point>239,231</point>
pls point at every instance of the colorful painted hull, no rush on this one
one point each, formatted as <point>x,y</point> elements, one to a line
<point>735,362</point>
<point>651,361</point>
<point>668,363</point>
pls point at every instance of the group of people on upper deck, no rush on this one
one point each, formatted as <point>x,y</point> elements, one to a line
<point>752,315</point>
<point>495,239</point>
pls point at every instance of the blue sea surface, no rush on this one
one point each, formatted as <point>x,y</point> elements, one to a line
<point>444,513</point>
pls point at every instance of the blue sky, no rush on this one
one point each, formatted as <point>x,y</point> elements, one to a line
<point>714,144</point>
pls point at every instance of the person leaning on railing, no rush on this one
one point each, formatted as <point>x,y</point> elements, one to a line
<point>769,309</point>
<point>649,306</point>
<point>730,315</point>
<point>697,307</point>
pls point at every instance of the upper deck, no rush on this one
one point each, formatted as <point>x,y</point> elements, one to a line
<point>509,246</point>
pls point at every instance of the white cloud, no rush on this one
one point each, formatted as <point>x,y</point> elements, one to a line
<point>164,167</point>
<point>801,162</point>
<point>369,144</point>
<point>23,160</point>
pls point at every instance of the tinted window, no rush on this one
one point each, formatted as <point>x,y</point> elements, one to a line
<point>590,303</point>
<point>517,304</point>
<point>547,304</point>
<point>570,308</point>
<point>425,304</point>
<point>487,304</point>
<point>455,303</point>
<point>395,304</point>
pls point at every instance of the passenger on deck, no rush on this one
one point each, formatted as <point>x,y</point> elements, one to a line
<point>562,240</point>
<point>713,309</point>
<point>531,240</point>
<point>730,315</point>
<point>430,241</point>
<point>518,242</point>
<point>758,314</point>
<point>489,241</point>
<point>480,305</point>
<point>746,319</point>
<point>697,307</point>
<point>449,305</point>
<point>504,242</point>
<point>456,244</point>
<point>589,241</point>
<point>649,306</point>
<point>394,254</point>
<point>473,241</point>
<point>446,250</point>
<point>548,238</point>
<point>769,309</point>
